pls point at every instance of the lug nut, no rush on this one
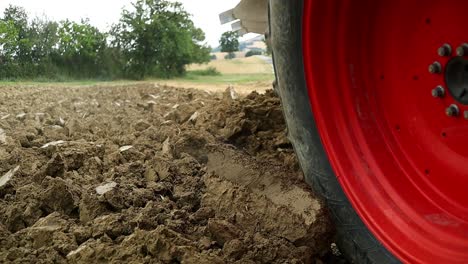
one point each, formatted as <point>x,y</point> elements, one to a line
<point>445,50</point>
<point>463,50</point>
<point>435,67</point>
<point>438,92</point>
<point>452,110</point>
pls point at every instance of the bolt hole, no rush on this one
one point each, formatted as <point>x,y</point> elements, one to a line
<point>382,77</point>
<point>398,128</point>
<point>428,21</point>
<point>415,77</point>
<point>427,171</point>
<point>444,134</point>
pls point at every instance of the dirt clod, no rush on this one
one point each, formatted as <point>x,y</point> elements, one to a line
<point>152,174</point>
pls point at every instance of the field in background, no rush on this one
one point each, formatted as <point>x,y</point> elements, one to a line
<point>244,74</point>
<point>252,66</point>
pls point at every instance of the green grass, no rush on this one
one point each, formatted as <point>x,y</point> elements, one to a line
<point>63,83</point>
<point>210,71</point>
<point>191,77</point>
<point>226,78</point>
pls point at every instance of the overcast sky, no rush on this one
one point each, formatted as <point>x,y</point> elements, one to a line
<point>102,13</point>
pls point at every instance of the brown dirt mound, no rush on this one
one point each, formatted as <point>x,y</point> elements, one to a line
<point>149,174</point>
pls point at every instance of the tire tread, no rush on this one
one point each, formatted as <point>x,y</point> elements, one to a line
<point>355,241</point>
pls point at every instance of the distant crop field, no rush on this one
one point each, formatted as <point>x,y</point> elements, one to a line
<point>250,65</point>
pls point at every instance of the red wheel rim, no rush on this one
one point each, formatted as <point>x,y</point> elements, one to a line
<point>401,160</point>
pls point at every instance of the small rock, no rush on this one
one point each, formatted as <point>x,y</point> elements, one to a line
<point>154,96</point>
<point>78,250</point>
<point>7,177</point>
<point>150,105</point>
<point>234,249</point>
<point>21,116</point>
<point>151,175</point>
<point>5,117</point>
<point>40,117</point>
<point>106,188</point>
<point>223,231</point>
<point>194,117</point>
<point>125,148</point>
<point>205,242</point>
<point>54,143</point>
<point>56,166</point>
<point>58,197</point>
<point>166,147</point>
<point>203,213</point>
<point>230,93</point>
<point>141,126</point>
<point>90,207</point>
<point>175,106</point>
<point>2,136</point>
<point>168,122</point>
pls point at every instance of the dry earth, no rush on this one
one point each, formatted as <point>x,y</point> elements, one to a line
<point>250,65</point>
<point>150,174</point>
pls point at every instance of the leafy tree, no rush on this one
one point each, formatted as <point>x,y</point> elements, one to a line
<point>158,38</point>
<point>229,42</point>
<point>8,40</point>
<point>80,47</point>
<point>44,36</point>
<point>14,44</point>
<point>16,17</point>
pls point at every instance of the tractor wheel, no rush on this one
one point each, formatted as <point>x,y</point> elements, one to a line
<point>375,95</point>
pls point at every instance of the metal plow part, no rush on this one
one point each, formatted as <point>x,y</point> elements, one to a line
<point>249,16</point>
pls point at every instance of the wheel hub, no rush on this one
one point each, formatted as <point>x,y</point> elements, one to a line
<point>400,153</point>
<point>456,77</point>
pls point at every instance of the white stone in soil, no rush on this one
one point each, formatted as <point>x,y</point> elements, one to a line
<point>125,148</point>
<point>54,143</point>
<point>2,136</point>
<point>78,250</point>
<point>233,93</point>
<point>7,177</point>
<point>194,117</point>
<point>106,188</point>
<point>21,116</point>
<point>5,117</point>
<point>166,147</point>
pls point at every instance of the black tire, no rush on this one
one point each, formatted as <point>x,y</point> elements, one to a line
<point>354,240</point>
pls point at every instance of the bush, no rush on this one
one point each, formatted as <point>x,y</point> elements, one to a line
<point>230,56</point>
<point>43,49</point>
<point>251,53</point>
<point>210,71</point>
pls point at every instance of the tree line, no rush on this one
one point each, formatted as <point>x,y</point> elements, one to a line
<point>154,38</point>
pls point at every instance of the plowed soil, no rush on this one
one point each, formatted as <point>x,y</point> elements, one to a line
<point>152,174</point>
